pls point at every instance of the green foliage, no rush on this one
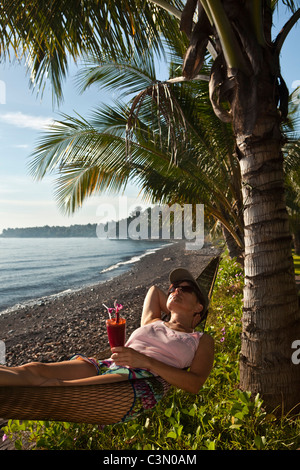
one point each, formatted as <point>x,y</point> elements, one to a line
<point>220,417</point>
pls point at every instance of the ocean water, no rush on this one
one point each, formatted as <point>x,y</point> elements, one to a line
<point>32,268</point>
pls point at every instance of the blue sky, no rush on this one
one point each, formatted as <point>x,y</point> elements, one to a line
<point>25,202</point>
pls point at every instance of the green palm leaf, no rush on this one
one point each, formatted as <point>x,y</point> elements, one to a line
<point>80,149</point>
<point>128,75</point>
<point>48,34</point>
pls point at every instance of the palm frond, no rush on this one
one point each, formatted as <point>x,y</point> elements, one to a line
<point>76,182</point>
<point>176,150</point>
<point>279,41</point>
<point>127,75</point>
<point>79,150</point>
<point>292,155</point>
<point>47,33</point>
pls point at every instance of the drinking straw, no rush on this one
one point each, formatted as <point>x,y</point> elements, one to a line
<point>108,309</point>
<point>117,308</point>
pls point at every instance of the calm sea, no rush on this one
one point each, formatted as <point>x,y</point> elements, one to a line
<point>31,268</point>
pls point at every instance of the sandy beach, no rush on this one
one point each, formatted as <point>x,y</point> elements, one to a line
<point>55,328</point>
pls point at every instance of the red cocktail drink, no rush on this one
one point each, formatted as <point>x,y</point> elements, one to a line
<point>116,332</point>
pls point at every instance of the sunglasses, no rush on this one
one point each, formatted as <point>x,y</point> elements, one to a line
<point>188,289</point>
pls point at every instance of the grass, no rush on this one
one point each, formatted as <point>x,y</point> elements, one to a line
<point>220,417</point>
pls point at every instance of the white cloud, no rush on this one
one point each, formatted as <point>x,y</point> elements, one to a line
<point>20,119</point>
<point>296,83</point>
<point>20,146</point>
<point>7,191</point>
<point>27,203</point>
<point>23,203</point>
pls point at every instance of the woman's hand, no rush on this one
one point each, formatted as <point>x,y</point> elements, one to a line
<point>123,356</point>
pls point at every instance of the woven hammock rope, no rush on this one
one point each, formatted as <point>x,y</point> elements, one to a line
<point>94,404</point>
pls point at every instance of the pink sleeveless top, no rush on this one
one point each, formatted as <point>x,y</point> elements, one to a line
<point>160,342</point>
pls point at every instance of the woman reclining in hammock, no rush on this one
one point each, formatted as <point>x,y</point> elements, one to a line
<point>157,348</point>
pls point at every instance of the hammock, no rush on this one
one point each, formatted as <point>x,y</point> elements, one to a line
<point>93,404</point>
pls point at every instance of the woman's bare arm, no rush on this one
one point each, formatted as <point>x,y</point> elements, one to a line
<point>154,305</point>
<point>190,381</point>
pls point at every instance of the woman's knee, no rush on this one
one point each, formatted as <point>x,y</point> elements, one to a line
<point>33,372</point>
<point>35,367</point>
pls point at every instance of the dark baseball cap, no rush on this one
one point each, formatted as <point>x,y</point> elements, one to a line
<point>182,274</point>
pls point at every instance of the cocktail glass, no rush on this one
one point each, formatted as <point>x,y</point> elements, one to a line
<point>116,331</point>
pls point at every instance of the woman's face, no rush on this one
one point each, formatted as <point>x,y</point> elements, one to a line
<point>180,300</point>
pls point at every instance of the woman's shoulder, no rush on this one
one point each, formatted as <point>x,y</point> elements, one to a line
<point>207,340</point>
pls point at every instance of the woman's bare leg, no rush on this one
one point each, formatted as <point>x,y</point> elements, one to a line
<point>99,379</point>
<point>37,373</point>
<point>76,372</point>
<point>71,373</point>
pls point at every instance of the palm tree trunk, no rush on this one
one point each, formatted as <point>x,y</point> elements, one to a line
<point>234,250</point>
<point>271,317</point>
<point>296,235</point>
<point>297,242</point>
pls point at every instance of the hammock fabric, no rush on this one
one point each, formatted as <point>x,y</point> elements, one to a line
<point>77,404</point>
<point>94,404</point>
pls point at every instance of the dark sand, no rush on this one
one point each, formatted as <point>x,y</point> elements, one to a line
<point>55,328</point>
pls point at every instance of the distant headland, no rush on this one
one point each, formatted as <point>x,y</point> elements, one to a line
<point>88,230</point>
<point>158,223</point>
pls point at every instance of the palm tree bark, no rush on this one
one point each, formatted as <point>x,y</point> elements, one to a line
<point>234,250</point>
<point>297,241</point>
<point>271,319</point>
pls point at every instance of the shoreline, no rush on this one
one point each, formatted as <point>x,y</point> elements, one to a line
<point>65,324</point>
<point>41,300</point>
<point>112,267</point>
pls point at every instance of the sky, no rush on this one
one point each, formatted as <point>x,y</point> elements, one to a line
<point>25,202</point>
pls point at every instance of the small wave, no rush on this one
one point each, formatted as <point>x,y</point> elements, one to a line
<point>38,301</point>
<point>48,290</point>
<point>132,260</point>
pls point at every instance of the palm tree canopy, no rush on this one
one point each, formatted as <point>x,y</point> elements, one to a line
<point>83,148</point>
<point>167,139</point>
<point>47,33</point>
